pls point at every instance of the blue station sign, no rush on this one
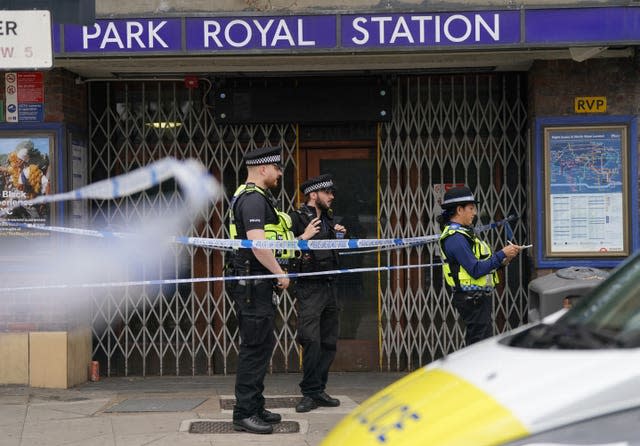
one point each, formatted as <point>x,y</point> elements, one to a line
<point>353,32</point>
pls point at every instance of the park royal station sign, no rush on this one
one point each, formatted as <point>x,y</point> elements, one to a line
<point>415,31</point>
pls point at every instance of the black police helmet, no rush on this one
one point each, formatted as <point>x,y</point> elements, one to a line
<point>458,196</point>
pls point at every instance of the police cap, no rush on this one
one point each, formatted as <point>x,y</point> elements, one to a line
<point>321,182</point>
<point>458,196</point>
<point>263,155</point>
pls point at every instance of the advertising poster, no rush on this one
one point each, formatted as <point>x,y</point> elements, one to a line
<point>586,190</point>
<point>25,173</point>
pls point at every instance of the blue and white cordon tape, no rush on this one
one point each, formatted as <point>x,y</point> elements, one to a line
<point>200,188</point>
<point>214,279</point>
<point>198,185</point>
<point>302,245</point>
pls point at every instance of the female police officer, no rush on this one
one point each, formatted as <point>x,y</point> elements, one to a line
<point>469,267</point>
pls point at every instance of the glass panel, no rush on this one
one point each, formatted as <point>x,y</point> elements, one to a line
<point>355,208</point>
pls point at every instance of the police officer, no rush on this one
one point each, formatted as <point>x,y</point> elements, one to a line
<point>254,216</point>
<point>469,267</point>
<point>318,312</point>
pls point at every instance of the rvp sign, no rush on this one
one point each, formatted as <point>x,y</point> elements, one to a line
<point>25,40</point>
<point>590,104</point>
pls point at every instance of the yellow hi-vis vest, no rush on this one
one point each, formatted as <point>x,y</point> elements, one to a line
<point>454,274</point>
<point>279,231</point>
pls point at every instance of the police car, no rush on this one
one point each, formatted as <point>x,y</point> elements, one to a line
<point>573,379</point>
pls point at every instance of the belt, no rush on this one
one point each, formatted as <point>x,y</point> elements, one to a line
<point>474,289</point>
<point>475,294</point>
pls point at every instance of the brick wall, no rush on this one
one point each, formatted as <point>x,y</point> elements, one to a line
<point>65,101</point>
<point>553,85</point>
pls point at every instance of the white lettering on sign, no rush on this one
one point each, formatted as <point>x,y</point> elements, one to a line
<point>135,35</point>
<point>25,40</point>
<point>247,30</point>
<point>240,33</point>
<point>457,28</point>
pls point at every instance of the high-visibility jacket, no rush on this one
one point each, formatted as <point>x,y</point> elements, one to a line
<point>454,274</point>
<point>278,231</point>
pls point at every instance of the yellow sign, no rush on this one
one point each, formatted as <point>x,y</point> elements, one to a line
<point>590,104</point>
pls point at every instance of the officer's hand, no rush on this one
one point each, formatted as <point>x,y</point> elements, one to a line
<point>283,283</point>
<point>510,251</point>
<point>340,228</point>
<point>312,229</point>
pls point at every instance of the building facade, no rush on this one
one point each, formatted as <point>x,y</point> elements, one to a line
<point>399,100</point>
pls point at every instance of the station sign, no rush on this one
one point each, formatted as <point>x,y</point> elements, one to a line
<point>25,40</point>
<point>406,31</point>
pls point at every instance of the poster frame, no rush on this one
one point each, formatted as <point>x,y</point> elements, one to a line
<point>545,256</point>
<point>55,132</point>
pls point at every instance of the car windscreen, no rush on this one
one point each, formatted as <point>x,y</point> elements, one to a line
<point>608,317</point>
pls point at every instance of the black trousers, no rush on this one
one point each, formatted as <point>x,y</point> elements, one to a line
<point>256,315</point>
<point>318,328</point>
<point>475,310</point>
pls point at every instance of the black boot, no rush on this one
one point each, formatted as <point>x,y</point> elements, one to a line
<point>269,417</point>
<point>254,424</point>
<point>322,399</point>
<point>306,404</point>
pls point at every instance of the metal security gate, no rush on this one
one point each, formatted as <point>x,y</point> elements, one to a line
<point>445,130</point>
<point>185,329</point>
<point>451,129</point>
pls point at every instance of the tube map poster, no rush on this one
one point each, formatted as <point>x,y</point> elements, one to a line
<point>586,168</point>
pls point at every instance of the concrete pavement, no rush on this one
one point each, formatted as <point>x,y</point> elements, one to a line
<point>160,410</point>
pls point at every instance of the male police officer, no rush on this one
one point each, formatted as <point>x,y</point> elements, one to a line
<point>318,313</point>
<point>254,216</point>
<point>469,266</point>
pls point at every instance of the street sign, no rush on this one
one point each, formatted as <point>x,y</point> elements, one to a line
<point>25,40</point>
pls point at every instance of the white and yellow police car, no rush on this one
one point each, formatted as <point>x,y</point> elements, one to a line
<point>573,379</point>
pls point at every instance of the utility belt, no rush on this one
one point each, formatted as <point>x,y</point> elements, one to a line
<point>306,263</point>
<point>474,293</point>
<point>249,284</point>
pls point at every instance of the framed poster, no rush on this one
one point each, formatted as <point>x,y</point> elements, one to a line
<point>587,209</point>
<point>28,169</point>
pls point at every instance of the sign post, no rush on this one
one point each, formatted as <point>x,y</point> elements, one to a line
<point>25,40</point>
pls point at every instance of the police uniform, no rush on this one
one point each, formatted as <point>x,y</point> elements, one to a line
<point>469,268</point>
<point>255,208</point>
<point>317,303</point>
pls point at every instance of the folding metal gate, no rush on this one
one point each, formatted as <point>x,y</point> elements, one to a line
<point>175,329</point>
<point>447,129</point>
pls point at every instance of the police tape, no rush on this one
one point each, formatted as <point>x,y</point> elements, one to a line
<point>199,188</point>
<point>232,244</point>
<point>302,245</point>
<point>198,185</point>
<point>436,237</point>
<point>215,279</point>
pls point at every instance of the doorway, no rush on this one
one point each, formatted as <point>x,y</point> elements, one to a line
<point>353,166</point>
